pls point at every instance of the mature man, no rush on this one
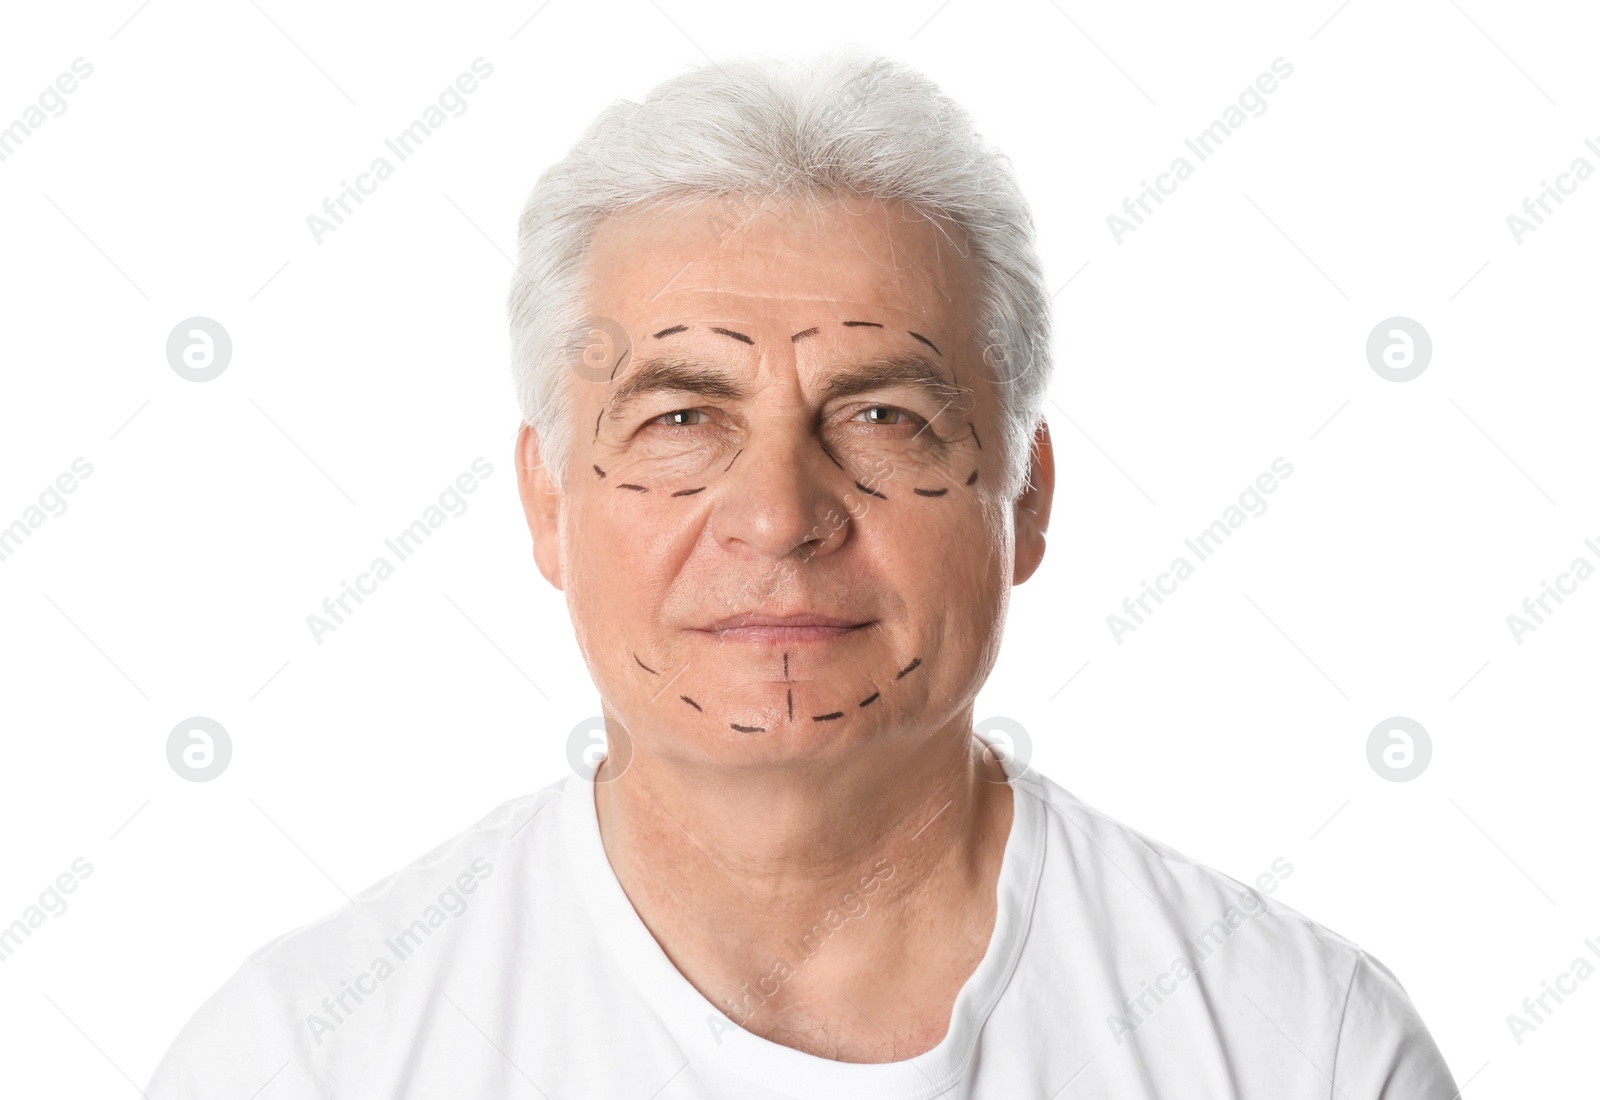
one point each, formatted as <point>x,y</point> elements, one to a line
<point>781,344</point>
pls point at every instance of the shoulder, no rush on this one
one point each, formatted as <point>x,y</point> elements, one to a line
<point>276,1009</point>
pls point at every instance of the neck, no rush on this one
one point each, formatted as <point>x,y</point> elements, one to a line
<point>734,871</point>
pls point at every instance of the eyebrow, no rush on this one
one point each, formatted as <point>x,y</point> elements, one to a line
<point>685,374</point>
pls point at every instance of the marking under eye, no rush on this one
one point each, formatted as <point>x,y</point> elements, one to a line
<point>689,492</point>
<point>646,667</point>
<point>909,667</point>
<point>930,492</point>
<point>827,717</point>
<point>635,488</point>
<point>729,466</point>
<point>599,471</point>
<point>973,476</point>
<point>870,492</point>
<point>748,729</point>
<point>671,331</point>
<point>829,453</point>
<point>691,702</point>
<point>975,438</point>
<point>739,336</point>
<point>925,340</point>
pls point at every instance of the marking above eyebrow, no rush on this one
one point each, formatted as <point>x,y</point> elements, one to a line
<point>930,492</point>
<point>739,336</point>
<point>870,492</point>
<point>925,340</point>
<point>797,337</point>
<point>670,331</point>
<point>862,324</point>
<point>689,492</point>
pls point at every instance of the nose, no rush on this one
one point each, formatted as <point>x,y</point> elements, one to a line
<point>783,497</point>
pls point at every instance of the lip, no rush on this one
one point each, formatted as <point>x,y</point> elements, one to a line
<point>755,628</point>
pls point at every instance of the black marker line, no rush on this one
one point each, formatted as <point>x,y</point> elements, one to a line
<point>973,476</point>
<point>735,458</point>
<point>870,492</point>
<point>618,363</point>
<point>909,667</point>
<point>646,667</point>
<point>748,729</point>
<point>797,337</point>
<point>927,341</point>
<point>786,668</point>
<point>597,417</point>
<point>862,324</point>
<point>930,492</point>
<point>671,331</point>
<point>869,699</point>
<point>599,471</point>
<point>829,453</point>
<point>837,713</point>
<point>739,336</point>
<point>635,488</point>
<point>791,704</point>
<point>691,702</point>
<point>975,438</point>
<point>689,492</point>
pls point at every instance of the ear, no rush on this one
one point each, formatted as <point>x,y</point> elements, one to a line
<point>1032,508</point>
<point>541,503</point>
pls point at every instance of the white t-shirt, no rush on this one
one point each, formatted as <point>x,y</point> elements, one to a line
<point>508,962</point>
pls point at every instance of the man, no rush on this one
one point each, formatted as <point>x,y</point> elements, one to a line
<point>781,342</point>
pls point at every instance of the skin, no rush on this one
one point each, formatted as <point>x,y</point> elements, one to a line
<point>740,822</point>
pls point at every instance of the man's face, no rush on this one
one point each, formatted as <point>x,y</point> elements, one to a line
<point>781,534</point>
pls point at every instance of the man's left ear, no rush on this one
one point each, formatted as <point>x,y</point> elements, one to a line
<point>1032,508</point>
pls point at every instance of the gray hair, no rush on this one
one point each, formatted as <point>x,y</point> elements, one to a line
<point>753,130</point>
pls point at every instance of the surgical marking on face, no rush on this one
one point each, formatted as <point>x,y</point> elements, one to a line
<point>925,340</point>
<point>635,488</point>
<point>869,699</point>
<point>739,336</point>
<point>691,702</point>
<point>689,492</point>
<point>747,729</point>
<point>731,461</point>
<point>870,492</point>
<point>973,476</point>
<point>975,438</point>
<point>908,668</point>
<point>862,324</point>
<point>801,335</point>
<point>930,492</point>
<point>646,667</point>
<point>791,704</point>
<point>599,471</point>
<point>597,417</point>
<point>827,717</point>
<point>671,331</point>
<point>829,453</point>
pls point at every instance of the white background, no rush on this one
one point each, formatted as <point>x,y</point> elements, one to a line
<point>369,370</point>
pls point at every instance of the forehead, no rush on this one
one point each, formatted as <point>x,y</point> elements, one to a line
<point>790,264</point>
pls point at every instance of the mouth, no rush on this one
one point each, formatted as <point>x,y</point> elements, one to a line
<point>752,628</point>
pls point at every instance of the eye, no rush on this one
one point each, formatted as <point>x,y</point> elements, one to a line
<point>885,414</point>
<point>677,418</point>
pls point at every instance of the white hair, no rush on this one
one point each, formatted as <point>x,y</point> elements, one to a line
<point>769,129</point>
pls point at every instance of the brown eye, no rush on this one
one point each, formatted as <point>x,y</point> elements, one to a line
<point>672,419</point>
<point>889,414</point>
